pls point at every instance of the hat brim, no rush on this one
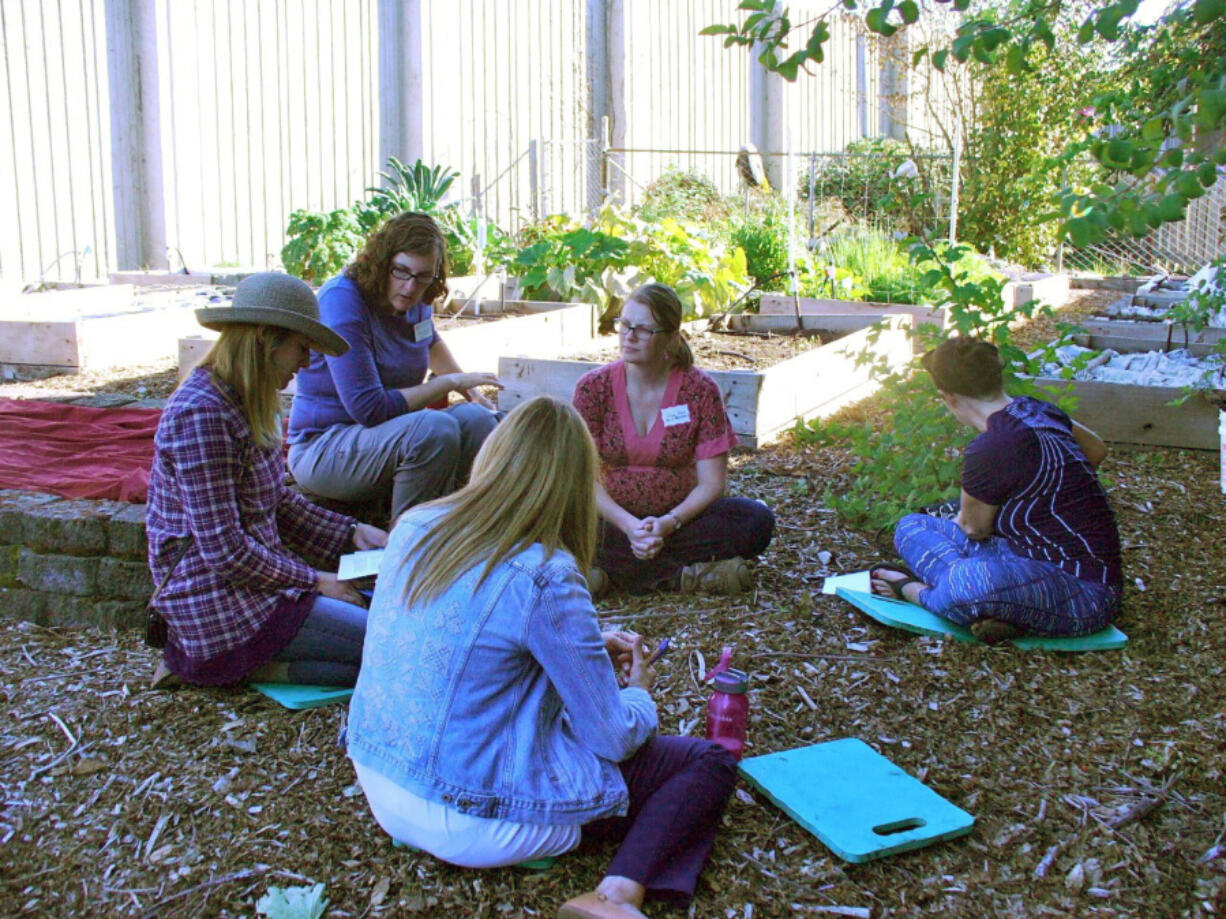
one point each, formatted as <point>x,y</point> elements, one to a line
<point>323,339</point>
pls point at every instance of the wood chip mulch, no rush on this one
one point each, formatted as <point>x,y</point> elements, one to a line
<point>1096,779</point>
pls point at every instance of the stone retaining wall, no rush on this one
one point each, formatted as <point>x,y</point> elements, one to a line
<point>72,562</point>
<point>75,562</point>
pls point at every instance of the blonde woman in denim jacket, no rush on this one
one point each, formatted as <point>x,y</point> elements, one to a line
<point>488,726</point>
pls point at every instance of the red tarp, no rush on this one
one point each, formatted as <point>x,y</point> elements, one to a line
<point>76,451</point>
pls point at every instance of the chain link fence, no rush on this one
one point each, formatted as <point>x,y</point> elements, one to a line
<point>1179,248</point>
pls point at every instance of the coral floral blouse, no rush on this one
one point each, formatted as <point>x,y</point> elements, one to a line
<point>650,475</point>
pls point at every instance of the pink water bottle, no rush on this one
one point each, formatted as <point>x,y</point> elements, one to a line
<point>728,711</point>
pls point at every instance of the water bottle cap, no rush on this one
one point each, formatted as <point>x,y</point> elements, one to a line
<point>731,681</point>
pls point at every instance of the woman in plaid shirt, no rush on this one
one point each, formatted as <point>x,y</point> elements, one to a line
<point>249,590</point>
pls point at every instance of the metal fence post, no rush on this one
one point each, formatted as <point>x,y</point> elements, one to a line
<point>400,80</point>
<point>953,182</point>
<point>534,178</point>
<point>479,216</point>
<point>136,137</point>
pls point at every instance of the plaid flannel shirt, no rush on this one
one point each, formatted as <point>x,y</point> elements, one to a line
<point>211,481</point>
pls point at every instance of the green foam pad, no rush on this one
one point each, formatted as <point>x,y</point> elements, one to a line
<point>914,618</point>
<point>296,696</point>
<point>855,800</point>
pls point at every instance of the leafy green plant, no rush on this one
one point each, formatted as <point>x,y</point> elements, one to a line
<point>1205,302</point>
<point>319,245</point>
<point>408,188</point>
<point>764,238</point>
<point>601,263</point>
<point>293,902</point>
<point>686,195</point>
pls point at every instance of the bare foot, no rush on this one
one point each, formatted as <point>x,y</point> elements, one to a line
<point>596,905</point>
<point>624,893</point>
<point>890,582</point>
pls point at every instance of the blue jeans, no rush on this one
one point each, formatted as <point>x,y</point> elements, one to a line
<point>985,579</point>
<point>327,649</point>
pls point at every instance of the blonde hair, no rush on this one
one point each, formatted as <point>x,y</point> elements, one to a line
<point>666,310</point>
<point>534,481</point>
<point>242,359</point>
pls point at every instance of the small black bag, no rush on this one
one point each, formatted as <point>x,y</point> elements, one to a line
<point>155,629</point>
<point>155,625</point>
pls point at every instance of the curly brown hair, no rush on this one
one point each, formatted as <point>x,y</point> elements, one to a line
<point>411,232</point>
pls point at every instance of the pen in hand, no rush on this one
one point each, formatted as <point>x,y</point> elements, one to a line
<point>661,650</point>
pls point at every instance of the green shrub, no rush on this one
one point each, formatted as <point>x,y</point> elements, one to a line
<point>602,263</point>
<point>764,237</point>
<point>687,195</point>
<point>320,245</point>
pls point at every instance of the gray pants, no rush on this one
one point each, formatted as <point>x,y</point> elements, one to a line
<point>417,456</point>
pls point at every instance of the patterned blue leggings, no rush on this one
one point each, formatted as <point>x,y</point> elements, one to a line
<point>985,579</point>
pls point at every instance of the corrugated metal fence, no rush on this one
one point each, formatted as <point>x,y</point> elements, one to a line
<point>169,132</point>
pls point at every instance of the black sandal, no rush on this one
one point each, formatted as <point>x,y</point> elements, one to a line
<point>896,587</point>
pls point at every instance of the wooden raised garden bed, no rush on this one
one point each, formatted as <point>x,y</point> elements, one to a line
<point>92,328</point>
<point>1124,413</point>
<point>549,329</point>
<point>761,404</point>
<point>1128,335</point>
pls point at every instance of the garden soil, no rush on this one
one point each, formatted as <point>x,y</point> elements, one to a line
<point>1096,780</point>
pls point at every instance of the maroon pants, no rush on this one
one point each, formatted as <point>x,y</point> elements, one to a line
<point>678,788</point>
<point>728,527</point>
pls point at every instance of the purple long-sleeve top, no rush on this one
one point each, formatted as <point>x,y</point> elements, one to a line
<point>243,587</point>
<point>361,386</point>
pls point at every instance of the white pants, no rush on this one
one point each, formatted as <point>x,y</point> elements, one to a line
<point>461,839</point>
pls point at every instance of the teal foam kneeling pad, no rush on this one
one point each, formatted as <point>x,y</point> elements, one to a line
<point>914,618</point>
<point>857,802</point>
<point>296,696</point>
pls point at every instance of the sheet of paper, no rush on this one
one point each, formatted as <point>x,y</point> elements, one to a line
<point>858,581</point>
<point>360,564</point>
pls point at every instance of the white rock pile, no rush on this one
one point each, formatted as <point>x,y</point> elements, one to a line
<point>1175,368</point>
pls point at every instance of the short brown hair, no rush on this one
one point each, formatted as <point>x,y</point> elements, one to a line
<point>411,232</point>
<point>966,367</point>
<point>666,310</point>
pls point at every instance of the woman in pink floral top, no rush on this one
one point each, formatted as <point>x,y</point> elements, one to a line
<point>663,436</point>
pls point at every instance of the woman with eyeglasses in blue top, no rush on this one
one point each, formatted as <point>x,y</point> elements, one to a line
<point>663,437</point>
<point>364,424</point>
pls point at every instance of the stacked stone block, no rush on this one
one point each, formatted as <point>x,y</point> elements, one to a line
<point>72,562</point>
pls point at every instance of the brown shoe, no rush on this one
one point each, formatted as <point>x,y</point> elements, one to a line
<point>597,581</point>
<point>994,631</point>
<point>163,678</point>
<point>724,576</point>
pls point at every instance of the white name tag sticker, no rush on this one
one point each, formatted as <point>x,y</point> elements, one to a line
<point>675,415</point>
<point>423,330</point>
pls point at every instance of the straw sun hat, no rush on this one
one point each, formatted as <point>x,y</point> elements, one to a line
<point>272,298</point>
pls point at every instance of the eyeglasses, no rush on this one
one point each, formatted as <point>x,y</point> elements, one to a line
<point>400,273</point>
<point>626,327</point>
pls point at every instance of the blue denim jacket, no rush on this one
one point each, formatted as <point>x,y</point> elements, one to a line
<point>498,700</point>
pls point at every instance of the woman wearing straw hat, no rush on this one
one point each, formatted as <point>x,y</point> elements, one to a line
<point>227,539</point>
<point>364,425</point>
